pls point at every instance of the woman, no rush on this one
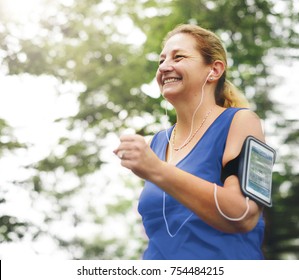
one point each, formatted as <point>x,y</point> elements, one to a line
<point>182,165</point>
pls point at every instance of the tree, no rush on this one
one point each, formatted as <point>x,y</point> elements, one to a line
<point>11,228</point>
<point>89,43</point>
<point>78,44</point>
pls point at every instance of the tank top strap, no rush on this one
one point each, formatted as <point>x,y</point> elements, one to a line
<point>218,130</point>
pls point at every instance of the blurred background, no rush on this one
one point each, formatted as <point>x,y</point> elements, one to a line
<point>74,75</point>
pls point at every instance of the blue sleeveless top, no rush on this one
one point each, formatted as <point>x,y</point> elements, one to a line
<point>189,237</point>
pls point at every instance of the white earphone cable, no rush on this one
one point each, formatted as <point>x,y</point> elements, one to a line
<point>225,216</point>
<point>169,142</point>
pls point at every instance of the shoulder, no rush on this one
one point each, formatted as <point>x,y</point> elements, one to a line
<point>244,123</point>
<point>246,113</point>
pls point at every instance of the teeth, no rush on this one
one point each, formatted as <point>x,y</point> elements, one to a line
<point>170,80</point>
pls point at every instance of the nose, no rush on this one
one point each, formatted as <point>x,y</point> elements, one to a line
<point>165,66</point>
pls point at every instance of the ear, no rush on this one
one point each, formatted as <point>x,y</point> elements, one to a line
<point>217,69</point>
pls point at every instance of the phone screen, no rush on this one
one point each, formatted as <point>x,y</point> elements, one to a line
<point>259,171</point>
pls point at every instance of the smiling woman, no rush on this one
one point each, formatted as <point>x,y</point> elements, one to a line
<point>182,165</point>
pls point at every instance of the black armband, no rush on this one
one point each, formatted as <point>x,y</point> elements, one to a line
<point>253,167</point>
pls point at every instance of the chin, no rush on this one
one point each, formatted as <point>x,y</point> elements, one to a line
<point>170,96</point>
<point>169,92</point>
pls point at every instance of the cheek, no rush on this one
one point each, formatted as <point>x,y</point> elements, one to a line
<point>158,78</point>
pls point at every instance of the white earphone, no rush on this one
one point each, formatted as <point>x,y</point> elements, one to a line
<point>210,73</point>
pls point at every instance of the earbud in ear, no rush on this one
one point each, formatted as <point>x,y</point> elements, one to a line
<point>210,73</point>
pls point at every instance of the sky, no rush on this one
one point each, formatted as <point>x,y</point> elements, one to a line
<point>30,105</point>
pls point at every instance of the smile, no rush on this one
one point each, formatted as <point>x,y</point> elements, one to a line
<point>171,80</point>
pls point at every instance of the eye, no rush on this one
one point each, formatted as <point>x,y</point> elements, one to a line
<point>179,57</point>
<point>161,61</point>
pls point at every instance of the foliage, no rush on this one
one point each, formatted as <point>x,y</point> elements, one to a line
<point>11,228</point>
<point>283,218</point>
<point>93,43</point>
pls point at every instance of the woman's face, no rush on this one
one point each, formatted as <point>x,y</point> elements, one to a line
<point>181,70</point>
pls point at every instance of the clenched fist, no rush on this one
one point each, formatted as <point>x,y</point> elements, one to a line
<point>136,155</point>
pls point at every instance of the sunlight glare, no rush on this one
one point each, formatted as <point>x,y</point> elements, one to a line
<point>21,10</point>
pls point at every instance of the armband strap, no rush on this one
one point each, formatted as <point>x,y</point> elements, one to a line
<point>253,167</point>
<point>231,168</point>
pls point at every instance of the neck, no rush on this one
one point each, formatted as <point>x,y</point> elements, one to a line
<point>193,105</point>
<point>191,134</point>
<point>186,116</point>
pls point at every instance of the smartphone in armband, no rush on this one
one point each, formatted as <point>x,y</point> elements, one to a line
<point>253,167</point>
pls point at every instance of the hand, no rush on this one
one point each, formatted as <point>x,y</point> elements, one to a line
<point>136,155</point>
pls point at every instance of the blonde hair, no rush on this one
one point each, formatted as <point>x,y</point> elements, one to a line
<point>210,47</point>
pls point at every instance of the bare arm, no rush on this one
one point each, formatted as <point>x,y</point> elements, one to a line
<point>196,193</point>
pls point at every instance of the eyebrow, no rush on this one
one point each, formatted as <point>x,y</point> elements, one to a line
<point>173,51</point>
